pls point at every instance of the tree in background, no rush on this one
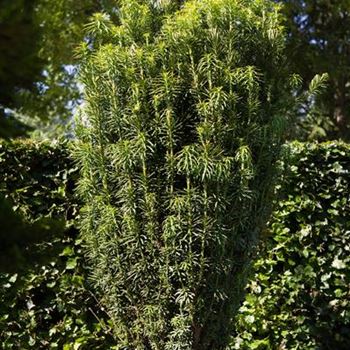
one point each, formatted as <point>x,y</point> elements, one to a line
<point>20,65</point>
<point>62,24</point>
<point>319,41</point>
<point>38,67</point>
<point>182,123</point>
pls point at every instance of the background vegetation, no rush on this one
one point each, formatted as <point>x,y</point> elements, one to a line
<point>297,295</point>
<point>39,71</point>
<point>44,302</point>
<point>318,41</point>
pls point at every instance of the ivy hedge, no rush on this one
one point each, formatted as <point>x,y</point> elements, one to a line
<point>45,302</point>
<point>298,295</point>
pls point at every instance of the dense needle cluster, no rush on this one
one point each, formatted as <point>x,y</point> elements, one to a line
<point>185,109</point>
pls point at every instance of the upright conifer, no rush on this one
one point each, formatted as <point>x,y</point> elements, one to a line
<point>185,110</point>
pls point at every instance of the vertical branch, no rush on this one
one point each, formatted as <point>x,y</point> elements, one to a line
<point>170,150</point>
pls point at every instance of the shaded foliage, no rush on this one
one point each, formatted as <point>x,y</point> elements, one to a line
<point>44,299</point>
<point>20,64</point>
<point>318,42</point>
<point>38,85</point>
<point>299,294</point>
<point>19,238</point>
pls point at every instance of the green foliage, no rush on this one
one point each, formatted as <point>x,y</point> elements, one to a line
<point>299,294</point>
<point>44,299</point>
<point>38,85</point>
<point>36,177</point>
<point>49,109</point>
<point>19,238</point>
<point>182,122</point>
<point>318,41</point>
<point>20,65</point>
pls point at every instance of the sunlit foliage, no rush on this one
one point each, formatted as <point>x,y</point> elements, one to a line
<point>185,109</point>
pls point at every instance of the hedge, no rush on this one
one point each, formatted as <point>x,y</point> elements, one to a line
<point>299,295</point>
<point>44,300</point>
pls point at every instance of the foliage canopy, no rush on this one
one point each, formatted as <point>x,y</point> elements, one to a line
<point>318,42</point>
<point>38,80</point>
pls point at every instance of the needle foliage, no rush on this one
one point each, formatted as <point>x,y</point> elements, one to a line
<point>186,105</point>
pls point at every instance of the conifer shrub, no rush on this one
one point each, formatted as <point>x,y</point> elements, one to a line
<point>185,110</point>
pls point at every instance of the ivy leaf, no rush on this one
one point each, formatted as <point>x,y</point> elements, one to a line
<point>71,263</point>
<point>338,264</point>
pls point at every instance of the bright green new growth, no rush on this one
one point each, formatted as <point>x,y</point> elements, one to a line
<point>183,119</point>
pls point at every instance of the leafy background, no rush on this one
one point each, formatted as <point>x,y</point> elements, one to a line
<point>39,94</point>
<point>45,302</point>
<point>298,296</point>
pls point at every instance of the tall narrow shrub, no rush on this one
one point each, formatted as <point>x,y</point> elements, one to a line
<point>185,107</point>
